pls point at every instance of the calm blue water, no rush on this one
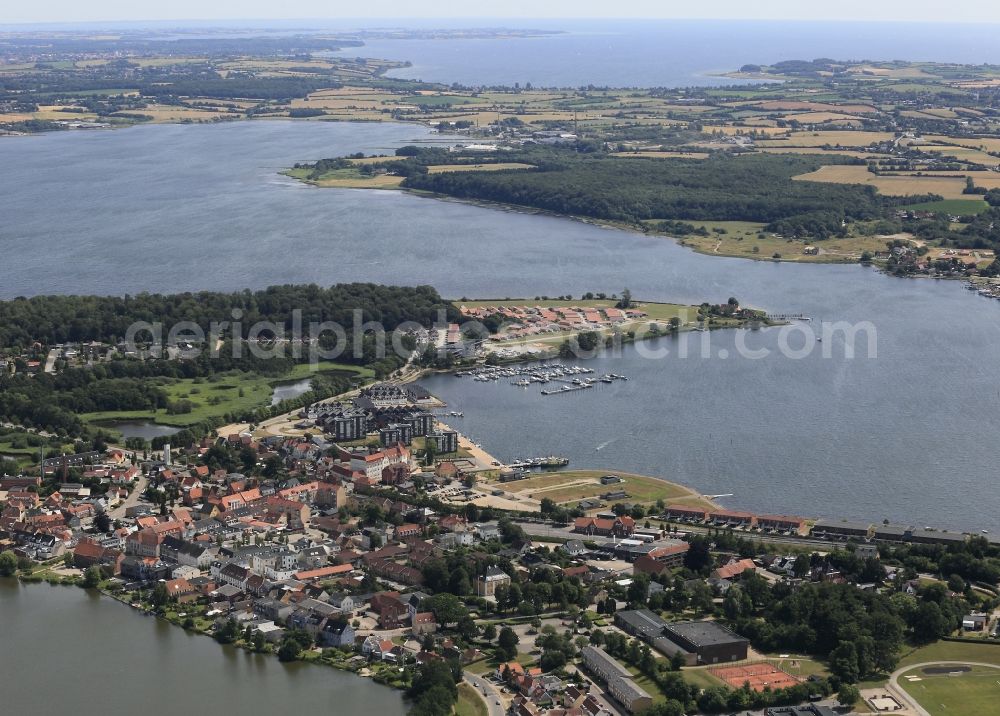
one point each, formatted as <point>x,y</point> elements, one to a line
<point>671,53</point>
<point>910,434</point>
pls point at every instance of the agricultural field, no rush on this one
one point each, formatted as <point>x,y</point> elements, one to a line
<point>957,207</point>
<point>494,167</point>
<point>833,138</point>
<point>947,187</point>
<point>649,154</point>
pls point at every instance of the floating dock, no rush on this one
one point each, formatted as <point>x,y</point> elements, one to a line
<point>568,389</point>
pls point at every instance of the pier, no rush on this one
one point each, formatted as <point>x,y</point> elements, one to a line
<point>568,389</point>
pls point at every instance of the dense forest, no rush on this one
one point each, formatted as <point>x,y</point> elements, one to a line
<point>53,402</point>
<point>720,188</point>
<point>61,319</point>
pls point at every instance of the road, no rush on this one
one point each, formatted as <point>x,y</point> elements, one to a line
<point>487,691</point>
<point>904,698</point>
<point>818,545</point>
<point>132,500</point>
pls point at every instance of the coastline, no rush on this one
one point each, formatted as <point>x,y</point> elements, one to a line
<point>600,223</point>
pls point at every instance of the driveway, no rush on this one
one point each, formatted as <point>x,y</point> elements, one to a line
<point>132,500</point>
<point>487,692</point>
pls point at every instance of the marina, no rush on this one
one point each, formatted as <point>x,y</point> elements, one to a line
<point>572,377</point>
<point>538,462</point>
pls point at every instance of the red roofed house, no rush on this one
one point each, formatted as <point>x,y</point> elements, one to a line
<point>407,530</point>
<point>87,554</point>
<point>324,572</point>
<point>781,523</point>
<point>389,608</point>
<point>605,527</point>
<point>295,513</point>
<point>423,623</point>
<point>734,568</point>
<point>732,518</point>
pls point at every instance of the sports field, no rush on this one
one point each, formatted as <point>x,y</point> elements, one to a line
<point>949,691</point>
<point>760,676</point>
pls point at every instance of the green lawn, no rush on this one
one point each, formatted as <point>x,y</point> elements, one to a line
<point>974,692</point>
<point>470,703</point>
<point>640,488</point>
<point>960,207</point>
<point>221,394</point>
<point>987,653</point>
<point>700,678</point>
<point>645,683</point>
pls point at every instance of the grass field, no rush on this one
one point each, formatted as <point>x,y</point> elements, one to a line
<point>743,240</point>
<point>233,392</point>
<point>973,692</point>
<point>570,486</point>
<point>988,653</point>
<point>701,678</point>
<point>347,179</point>
<point>470,703</point>
<point>960,207</point>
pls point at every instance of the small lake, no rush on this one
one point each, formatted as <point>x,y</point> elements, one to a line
<point>290,390</point>
<point>108,659</point>
<point>140,429</point>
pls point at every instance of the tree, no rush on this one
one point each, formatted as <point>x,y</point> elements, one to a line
<point>801,566</point>
<point>228,632</point>
<point>289,650</point>
<point>848,695</point>
<point>638,590</point>
<point>698,557</point>
<point>432,675</point>
<point>447,608</point>
<point>507,643</point>
<point>625,302</point>
<point>92,577</point>
<point>258,641</point>
<point>160,595</point>
<point>436,701</point>
<point>489,632</point>
<point>844,662</point>
<point>8,564</point>
<point>930,623</point>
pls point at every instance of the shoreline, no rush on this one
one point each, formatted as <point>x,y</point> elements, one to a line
<point>600,223</point>
<point>317,658</point>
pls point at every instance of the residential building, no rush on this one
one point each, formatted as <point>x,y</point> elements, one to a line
<point>486,585</point>
<point>617,678</point>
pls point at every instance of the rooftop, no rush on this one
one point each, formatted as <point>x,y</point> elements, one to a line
<point>703,633</point>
